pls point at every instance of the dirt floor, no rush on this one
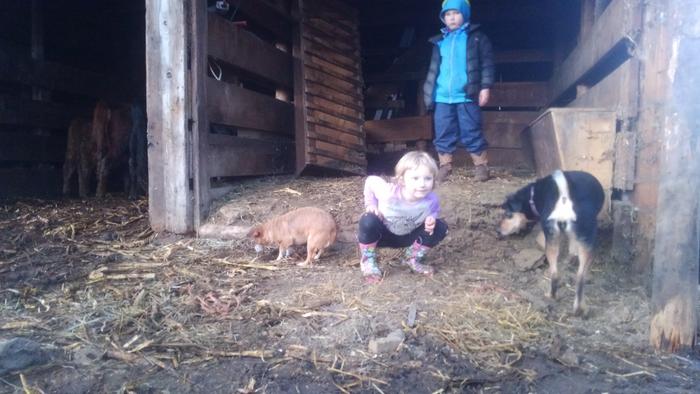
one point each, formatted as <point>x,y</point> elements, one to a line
<point>118,308</point>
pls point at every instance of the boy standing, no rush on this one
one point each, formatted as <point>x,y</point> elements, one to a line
<point>459,78</point>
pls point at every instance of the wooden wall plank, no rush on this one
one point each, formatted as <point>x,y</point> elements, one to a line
<point>200,121</point>
<point>498,157</point>
<point>246,51</point>
<point>32,148</point>
<point>519,94</point>
<point>619,91</point>
<point>269,17</point>
<point>59,77</point>
<point>25,112</point>
<point>235,156</point>
<point>523,56</point>
<point>620,24</point>
<point>501,129</point>
<point>328,62</point>
<point>235,106</point>
<point>170,202</point>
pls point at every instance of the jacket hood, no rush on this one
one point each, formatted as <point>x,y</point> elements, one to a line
<point>462,6</point>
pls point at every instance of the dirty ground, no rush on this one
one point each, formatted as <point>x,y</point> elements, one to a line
<point>115,307</point>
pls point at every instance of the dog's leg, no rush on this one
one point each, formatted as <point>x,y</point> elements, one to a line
<point>283,251</point>
<point>310,252</point>
<point>552,241</point>
<point>584,263</point>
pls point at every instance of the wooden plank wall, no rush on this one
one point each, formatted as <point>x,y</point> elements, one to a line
<point>328,88</point>
<point>502,129</point>
<point>33,121</point>
<point>606,71</point>
<point>259,121</point>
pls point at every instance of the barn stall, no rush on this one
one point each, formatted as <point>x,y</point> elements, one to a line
<point>216,116</point>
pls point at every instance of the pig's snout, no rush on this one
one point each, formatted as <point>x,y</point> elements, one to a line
<point>258,248</point>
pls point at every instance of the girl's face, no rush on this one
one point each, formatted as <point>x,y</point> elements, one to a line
<point>417,183</point>
<point>453,19</point>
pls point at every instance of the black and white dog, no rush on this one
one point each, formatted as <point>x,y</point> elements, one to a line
<point>564,202</point>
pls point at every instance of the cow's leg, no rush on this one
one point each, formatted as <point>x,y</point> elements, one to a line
<point>102,172</point>
<point>69,168</point>
<point>83,176</point>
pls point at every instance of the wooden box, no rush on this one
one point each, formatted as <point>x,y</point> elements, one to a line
<point>575,139</point>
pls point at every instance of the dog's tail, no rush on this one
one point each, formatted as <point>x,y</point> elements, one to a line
<point>564,209</point>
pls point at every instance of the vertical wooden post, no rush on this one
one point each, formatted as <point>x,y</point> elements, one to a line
<point>170,202</point>
<point>587,19</point>
<point>674,287</point>
<point>200,121</point>
<point>300,113</point>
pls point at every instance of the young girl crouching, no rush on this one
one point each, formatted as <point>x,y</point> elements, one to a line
<point>401,213</point>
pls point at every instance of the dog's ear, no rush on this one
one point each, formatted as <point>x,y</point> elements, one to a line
<point>512,204</point>
<point>254,232</point>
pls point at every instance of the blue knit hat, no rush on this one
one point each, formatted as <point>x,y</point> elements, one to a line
<point>462,6</point>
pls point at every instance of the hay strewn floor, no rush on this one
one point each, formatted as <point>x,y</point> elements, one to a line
<point>128,310</point>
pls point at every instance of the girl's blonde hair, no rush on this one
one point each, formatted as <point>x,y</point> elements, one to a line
<point>412,160</point>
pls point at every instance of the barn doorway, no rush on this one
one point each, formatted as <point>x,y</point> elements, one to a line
<point>56,60</point>
<point>528,40</point>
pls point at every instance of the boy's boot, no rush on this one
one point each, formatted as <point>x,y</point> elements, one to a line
<point>445,166</point>
<point>368,263</point>
<point>414,256</point>
<point>481,166</point>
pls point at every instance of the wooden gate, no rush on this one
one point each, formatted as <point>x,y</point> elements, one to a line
<point>219,90</point>
<point>328,88</point>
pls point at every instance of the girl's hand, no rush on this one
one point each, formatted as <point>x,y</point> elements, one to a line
<point>375,210</point>
<point>429,225</point>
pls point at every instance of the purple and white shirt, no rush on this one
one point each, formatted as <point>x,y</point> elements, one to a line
<point>399,216</point>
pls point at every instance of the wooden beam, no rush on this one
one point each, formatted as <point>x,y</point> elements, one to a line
<point>269,17</point>
<point>675,281</point>
<point>620,24</point>
<point>58,77</point>
<point>242,49</point>
<point>395,77</point>
<point>519,94</point>
<point>200,121</point>
<point>24,112</point>
<point>501,129</point>
<point>235,156</point>
<point>619,91</point>
<point>235,106</point>
<point>170,200</point>
<point>23,147</point>
<point>523,56</point>
<point>587,18</point>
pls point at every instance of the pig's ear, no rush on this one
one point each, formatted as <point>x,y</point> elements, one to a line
<point>254,232</point>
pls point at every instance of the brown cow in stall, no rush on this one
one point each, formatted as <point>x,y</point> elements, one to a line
<point>115,139</point>
<point>78,155</point>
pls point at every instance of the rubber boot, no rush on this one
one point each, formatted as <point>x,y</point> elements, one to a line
<point>368,263</point>
<point>481,166</point>
<point>445,168</point>
<point>413,258</point>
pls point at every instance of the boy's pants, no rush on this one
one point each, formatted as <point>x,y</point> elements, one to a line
<point>373,230</point>
<point>461,123</point>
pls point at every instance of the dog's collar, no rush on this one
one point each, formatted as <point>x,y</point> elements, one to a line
<point>533,208</point>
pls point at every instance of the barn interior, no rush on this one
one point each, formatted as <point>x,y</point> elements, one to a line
<point>56,60</point>
<point>529,39</point>
<point>124,302</point>
<point>55,68</point>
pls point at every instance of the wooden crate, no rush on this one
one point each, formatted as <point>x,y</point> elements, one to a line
<point>575,139</point>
